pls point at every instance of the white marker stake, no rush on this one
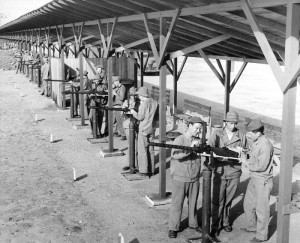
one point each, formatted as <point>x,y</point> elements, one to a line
<point>21,94</point>
<point>121,238</point>
<point>74,174</point>
<point>51,138</point>
<point>35,117</point>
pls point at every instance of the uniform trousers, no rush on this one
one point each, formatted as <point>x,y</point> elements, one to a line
<point>256,206</point>
<point>223,193</point>
<point>145,153</point>
<point>180,190</point>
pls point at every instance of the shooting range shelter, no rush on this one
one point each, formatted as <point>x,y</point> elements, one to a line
<point>256,31</point>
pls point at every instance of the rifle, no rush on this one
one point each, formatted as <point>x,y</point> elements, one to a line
<point>56,80</point>
<point>202,148</point>
<point>110,108</point>
<point>98,93</point>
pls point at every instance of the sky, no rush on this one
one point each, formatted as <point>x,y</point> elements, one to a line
<point>13,9</point>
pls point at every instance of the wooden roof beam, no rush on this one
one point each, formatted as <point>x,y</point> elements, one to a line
<point>198,46</point>
<point>151,38</point>
<point>212,67</point>
<point>237,77</point>
<point>133,44</point>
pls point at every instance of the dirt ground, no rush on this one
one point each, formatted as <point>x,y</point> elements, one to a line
<point>40,202</point>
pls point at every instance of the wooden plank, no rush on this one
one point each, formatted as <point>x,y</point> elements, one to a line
<point>288,125</point>
<point>291,75</point>
<point>198,46</point>
<point>109,41</point>
<point>101,35</point>
<point>264,44</point>
<point>135,43</point>
<point>168,38</point>
<point>181,67</point>
<point>151,39</point>
<point>227,88</point>
<point>215,71</point>
<point>236,79</point>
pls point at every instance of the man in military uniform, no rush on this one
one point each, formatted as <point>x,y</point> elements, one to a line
<point>226,173</point>
<point>98,100</point>
<point>146,117</point>
<point>185,174</point>
<point>257,197</point>
<point>119,91</point>
<point>45,72</point>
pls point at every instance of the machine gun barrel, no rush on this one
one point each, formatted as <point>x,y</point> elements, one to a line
<point>110,108</point>
<point>219,152</point>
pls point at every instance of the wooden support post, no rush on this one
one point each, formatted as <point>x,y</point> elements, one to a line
<point>175,79</point>
<point>63,85</point>
<point>81,96</point>
<point>288,124</point>
<point>227,88</point>
<point>142,69</point>
<point>162,114</point>
<point>110,104</point>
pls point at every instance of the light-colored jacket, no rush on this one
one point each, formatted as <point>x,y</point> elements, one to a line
<point>227,169</point>
<point>185,165</point>
<point>261,159</point>
<point>45,70</point>
<point>145,115</point>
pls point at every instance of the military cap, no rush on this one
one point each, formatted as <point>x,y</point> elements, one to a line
<point>143,91</point>
<point>254,125</point>
<point>99,66</point>
<point>232,116</point>
<point>194,119</point>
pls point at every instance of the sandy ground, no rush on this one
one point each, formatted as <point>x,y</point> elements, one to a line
<point>40,202</point>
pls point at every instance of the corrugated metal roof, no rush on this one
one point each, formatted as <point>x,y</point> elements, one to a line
<point>199,20</point>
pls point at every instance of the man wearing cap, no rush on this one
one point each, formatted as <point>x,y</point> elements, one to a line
<point>45,72</point>
<point>146,116</point>
<point>185,174</point>
<point>119,91</point>
<point>134,103</point>
<point>257,197</point>
<point>86,86</point>
<point>97,100</point>
<point>226,173</point>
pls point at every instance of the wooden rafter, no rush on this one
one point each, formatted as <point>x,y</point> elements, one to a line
<point>212,67</point>
<point>151,39</point>
<point>198,46</point>
<point>237,77</point>
<point>101,34</point>
<point>135,43</point>
<point>181,67</point>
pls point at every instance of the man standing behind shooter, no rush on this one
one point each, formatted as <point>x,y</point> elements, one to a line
<point>226,174</point>
<point>98,100</point>
<point>119,91</point>
<point>45,72</point>
<point>145,115</point>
